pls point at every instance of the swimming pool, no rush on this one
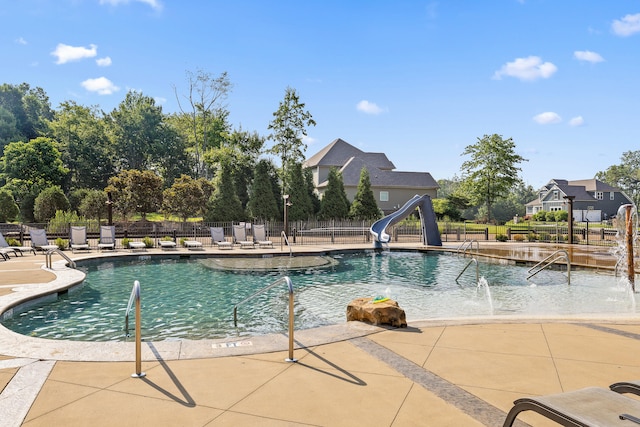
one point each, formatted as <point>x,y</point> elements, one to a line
<point>193,297</point>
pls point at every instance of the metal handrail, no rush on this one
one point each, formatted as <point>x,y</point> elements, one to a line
<point>135,297</point>
<point>283,237</point>
<point>278,282</point>
<point>551,259</point>
<point>472,260</point>
<point>468,244</point>
<point>48,261</point>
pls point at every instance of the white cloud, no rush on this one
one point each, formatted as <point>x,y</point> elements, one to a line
<point>586,55</point>
<point>101,85</point>
<point>160,100</point>
<point>369,107</point>
<point>547,117</point>
<point>155,4</point>
<point>308,140</point>
<point>103,62</point>
<point>21,40</point>
<point>576,121</point>
<point>626,26</point>
<point>530,68</point>
<point>66,53</point>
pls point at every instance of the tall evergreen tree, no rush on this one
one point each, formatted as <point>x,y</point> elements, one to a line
<point>364,206</point>
<point>335,204</point>
<point>301,207</point>
<point>262,203</point>
<point>313,196</point>
<point>224,204</point>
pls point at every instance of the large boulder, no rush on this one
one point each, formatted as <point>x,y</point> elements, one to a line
<point>386,312</point>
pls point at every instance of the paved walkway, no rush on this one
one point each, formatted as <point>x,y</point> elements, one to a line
<point>433,373</point>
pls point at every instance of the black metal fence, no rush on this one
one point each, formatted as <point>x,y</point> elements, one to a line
<point>323,232</point>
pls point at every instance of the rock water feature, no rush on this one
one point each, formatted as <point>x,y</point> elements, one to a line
<point>377,311</point>
<point>626,249</point>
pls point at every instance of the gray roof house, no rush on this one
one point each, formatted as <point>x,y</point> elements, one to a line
<point>593,200</point>
<point>391,188</point>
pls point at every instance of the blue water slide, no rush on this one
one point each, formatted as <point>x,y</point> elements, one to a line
<point>430,233</point>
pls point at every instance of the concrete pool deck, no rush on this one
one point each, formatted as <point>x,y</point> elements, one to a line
<point>440,373</point>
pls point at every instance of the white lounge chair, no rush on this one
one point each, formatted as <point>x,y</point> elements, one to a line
<point>167,244</point>
<point>78,239</point>
<point>218,239</point>
<point>39,240</point>
<point>192,244</point>
<point>6,248</point>
<point>137,246</point>
<point>260,236</point>
<point>240,237</point>
<point>107,237</point>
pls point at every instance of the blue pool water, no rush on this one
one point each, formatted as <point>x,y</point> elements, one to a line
<point>189,299</point>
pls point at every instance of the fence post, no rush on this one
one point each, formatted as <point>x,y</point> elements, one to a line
<point>486,233</point>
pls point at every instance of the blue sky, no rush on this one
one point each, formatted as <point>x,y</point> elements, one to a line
<point>417,80</point>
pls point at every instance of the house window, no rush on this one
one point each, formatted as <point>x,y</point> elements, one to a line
<point>555,194</point>
<point>590,208</point>
<point>384,196</point>
<point>612,196</point>
<point>599,195</point>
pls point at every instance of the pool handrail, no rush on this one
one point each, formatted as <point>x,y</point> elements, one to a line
<point>559,254</point>
<point>278,282</point>
<point>50,252</point>
<point>468,244</point>
<point>135,297</point>
<point>284,238</point>
<point>472,260</point>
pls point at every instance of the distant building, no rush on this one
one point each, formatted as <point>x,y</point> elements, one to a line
<point>593,200</point>
<point>391,188</point>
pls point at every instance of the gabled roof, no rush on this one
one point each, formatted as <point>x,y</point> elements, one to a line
<point>338,153</point>
<point>581,190</point>
<point>382,178</point>
<point>594,185</point>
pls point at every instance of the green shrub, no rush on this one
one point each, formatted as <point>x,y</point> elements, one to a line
<point>148,242</point>
<point>61,243</point>
<point>125,242</point>
<point>532,237</point>
<point>501,238</point>
<point>544,237</point>
<point>518,237</point>
<point>182,240</point>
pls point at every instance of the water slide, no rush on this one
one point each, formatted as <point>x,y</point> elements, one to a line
<point>430,233</point>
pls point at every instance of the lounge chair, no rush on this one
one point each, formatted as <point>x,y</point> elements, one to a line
<point>192,244</point>
<point>217,238</point>
<point>107,237</point>
<point>260,236</point>
<point>39,240</point>
<point>632,387</point>
<point>137,246</point>
<point>6,248</point>
<point>591,406</point>
<point>240,236</point>
<point>78,239</point>
<point>167,244</point>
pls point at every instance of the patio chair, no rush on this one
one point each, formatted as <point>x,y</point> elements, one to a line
<point>78,239</point>
<point>107,237</point>
<point>240,236</point>
<point>6,248</point>
<point>192,244</point>
<point>167,244</point>
<point>39,240</point>
<point>218,239</point>
<point>591,406</point>
<point>137,246</point>
<point>260,236</point>
<point>632,387</point>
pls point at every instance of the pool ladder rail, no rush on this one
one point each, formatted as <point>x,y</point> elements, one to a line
<point>286,280</point>
<point>471,261</point>
<point>284,239</point>
<point>560,254</point>
<point>135,298</point>
<point>50,252</point>
<point>467,245</point>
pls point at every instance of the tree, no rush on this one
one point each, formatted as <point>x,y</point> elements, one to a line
<point>136,191</point>
<point>335,204</point>
<point>36,161</point>
<point>364,206</point>
<point>184,198</point>
<point>8,208</point>
<point>206,96</point>
<point>224,204</point>
<point>86,150</point>
<point>29,110</point>
<point>94,205</point>
<point>48,202</point>
<point>311,191</point>
<point>301,207</point>
<point>445,210</point>
<point>262,203</point>
<point>625,176</point>
<point>492,170</point>
<point>289,126</point>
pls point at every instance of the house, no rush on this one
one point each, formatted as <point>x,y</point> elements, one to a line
<point>593,200</point>
<point>391,188</point>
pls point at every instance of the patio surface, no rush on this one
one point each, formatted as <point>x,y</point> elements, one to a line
<point>436,373</point>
